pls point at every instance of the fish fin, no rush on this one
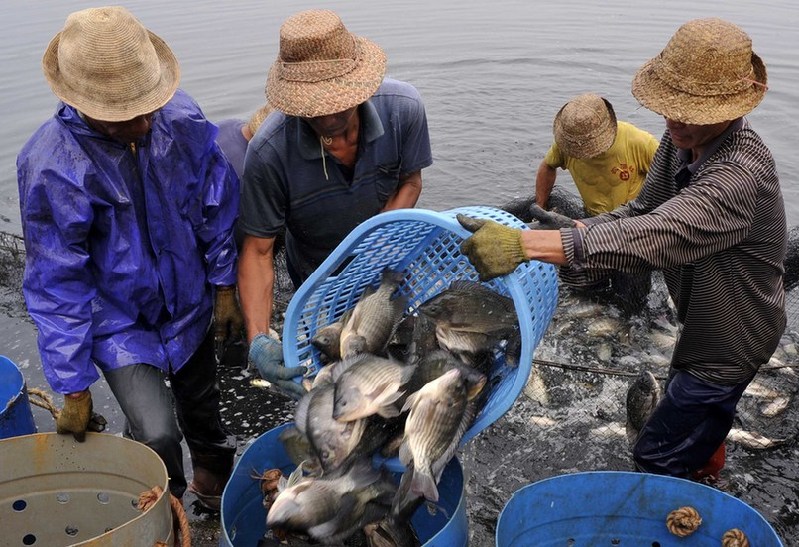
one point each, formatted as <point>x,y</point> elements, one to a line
<point>405,455</point>
<point>424,484</point>
<point>389,411</point>
<point>296,475</point>
<point>392,277</point>
<point>409,402</point>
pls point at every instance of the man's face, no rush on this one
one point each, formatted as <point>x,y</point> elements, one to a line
<point>692,137</point>
<point>125,132</point>
<point>333,124</point>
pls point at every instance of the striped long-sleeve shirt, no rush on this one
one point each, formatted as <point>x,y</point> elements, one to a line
<point>720,242</point>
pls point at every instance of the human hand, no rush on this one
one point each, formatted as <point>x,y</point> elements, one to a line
<point>549,220</point>
<point>228,321</point>
<point>494,249</point>
<point>77,417</point>
<point>266,355</point>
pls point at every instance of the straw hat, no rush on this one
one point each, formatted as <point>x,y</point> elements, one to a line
<point>258,118</point>
<point>322,68</point>
<point>707,74</point>
<point>585,127</point>
<point>109,67</point>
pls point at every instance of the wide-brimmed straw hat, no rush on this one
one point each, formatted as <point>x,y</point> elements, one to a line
<point>108,66</point>
<point>322,68</point>
<point>585,127</point>
<point>707,74</point>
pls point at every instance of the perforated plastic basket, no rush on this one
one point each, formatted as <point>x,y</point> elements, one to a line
<point>425,245</point>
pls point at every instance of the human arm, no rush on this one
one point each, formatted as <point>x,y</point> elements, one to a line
<point>544,181</point>
<point>256,279</point>
<point>407,194</point>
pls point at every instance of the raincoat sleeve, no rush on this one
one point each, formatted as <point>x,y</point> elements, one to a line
<point>220,210</point>
<point>58,286</point>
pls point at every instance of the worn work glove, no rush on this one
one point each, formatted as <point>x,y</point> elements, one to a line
<point>228,321</point>
<point>266,355</point>
<point>77,417</point>
<point>494,249</point>
<point>549,220</point>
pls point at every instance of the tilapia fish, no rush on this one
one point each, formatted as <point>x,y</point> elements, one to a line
<point>471,319</point>
<point>328,339</point>
<point>366,385</point>
<point>439,414</point>
<point>330,510</point>
<point>374,318</point>
<point>332,441</point>
<point>643,395</point>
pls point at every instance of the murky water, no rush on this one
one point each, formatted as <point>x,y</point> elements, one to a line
<point>492,75</point>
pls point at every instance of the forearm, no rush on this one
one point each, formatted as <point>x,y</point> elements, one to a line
<point>256,279</point>
<point>544,181</point>
<point>407,194</point>
<point>543,245</point>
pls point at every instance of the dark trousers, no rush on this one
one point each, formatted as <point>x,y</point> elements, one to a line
<point>156,412</point>
<point>687,426</point>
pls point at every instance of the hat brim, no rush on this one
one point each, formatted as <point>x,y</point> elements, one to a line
<point>95,108</point>
<point>658,96</point>
<point>313,99</point>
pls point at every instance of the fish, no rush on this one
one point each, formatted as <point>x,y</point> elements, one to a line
<point>330,510</point>
<point>753,439</point>
<point>332,441</point>
<point>472,319</point>
<point>374,318</point>
<point>367,384</point>
<point>328,338</point>
<point>643,395</point>
<point>438,416</point>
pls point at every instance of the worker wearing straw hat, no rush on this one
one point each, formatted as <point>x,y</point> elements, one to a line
<point>711,216</point>
<point>127,209</point>
<point>607,159</point>
<point>344,145</point>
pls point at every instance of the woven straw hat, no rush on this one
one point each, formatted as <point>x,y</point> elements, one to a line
<point>109,67</point>
<point>707,74</point>
<point>585,127</point>
<point>322,68</point>
<point>258,118</point>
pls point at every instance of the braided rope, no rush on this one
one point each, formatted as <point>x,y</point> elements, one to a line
<point>43,400</point>
<point>149,497</point>
<point>683,521</point>
<point>734,538</point>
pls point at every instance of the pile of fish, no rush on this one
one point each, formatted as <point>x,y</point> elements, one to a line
<point>396,384</point>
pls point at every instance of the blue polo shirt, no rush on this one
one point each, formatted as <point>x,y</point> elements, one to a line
<point>287,185</point>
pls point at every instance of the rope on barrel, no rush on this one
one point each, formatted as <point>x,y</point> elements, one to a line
<point>149,497</point>
<point>683,521</point>
<point>46,401</point>
<point>734,538</point>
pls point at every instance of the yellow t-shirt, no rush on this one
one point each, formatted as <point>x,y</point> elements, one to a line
<point>614,177</point>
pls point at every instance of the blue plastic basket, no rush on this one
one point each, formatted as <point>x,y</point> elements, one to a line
<point>244,518</point>
<point>623,509</point>
<point>426,246</point>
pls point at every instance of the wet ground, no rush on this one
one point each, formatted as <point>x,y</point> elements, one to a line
<point>531,442</point>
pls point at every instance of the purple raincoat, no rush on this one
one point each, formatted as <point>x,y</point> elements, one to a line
<point>123,247</point>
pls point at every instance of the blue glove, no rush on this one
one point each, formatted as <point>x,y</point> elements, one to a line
<point>266,354</point>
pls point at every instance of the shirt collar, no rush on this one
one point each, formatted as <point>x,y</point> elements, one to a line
<point>685,155</point>
<point>371,128</point>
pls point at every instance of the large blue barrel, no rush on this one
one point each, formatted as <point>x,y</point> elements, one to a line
<point>244,517</point>
<point>623,508</point>
<point>16,417</point>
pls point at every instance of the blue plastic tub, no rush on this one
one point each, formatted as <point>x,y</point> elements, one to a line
<point>244,518</point>
<point>614,508</point>
<point>16,417</point>
<point>425,245</point>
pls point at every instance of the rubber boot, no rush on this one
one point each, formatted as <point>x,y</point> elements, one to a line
<point>211,473</point>
<point>711,470</point>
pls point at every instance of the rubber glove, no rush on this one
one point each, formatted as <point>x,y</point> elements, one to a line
<point>494,249</point>
<point>549,220</point>
<point>228,321</point>
<point>77,417</point>
<point>266,355</point>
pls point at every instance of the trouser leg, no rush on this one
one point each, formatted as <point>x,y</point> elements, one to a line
<point>687,427</point>
<point>147,404</point>
<point>197,399</point>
